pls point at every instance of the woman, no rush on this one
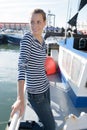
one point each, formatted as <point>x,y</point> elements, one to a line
<point>31,70</point>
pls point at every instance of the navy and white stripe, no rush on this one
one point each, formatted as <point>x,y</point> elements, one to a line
<point>31,64</point>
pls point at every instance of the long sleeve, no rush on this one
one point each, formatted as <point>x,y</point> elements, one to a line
<point>25,50</point>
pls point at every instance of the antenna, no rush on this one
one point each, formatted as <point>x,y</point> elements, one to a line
<point>67,19</point>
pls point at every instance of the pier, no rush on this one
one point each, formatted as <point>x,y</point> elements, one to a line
<point>15,26</point>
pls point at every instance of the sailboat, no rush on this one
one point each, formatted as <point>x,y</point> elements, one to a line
<point>68,85</point>
<point>73,62</point>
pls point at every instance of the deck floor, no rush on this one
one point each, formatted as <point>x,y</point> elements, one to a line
<point>62,105</point>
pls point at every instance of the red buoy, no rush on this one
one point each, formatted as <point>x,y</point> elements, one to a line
<point>50,65</point>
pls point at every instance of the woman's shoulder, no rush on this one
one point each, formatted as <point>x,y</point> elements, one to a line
<point>28,35</point>
<point>27,39</point>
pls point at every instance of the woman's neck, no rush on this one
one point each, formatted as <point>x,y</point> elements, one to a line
<point>39,38</point>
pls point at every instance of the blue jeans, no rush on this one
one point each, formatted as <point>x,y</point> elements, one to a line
<point>41,105</point>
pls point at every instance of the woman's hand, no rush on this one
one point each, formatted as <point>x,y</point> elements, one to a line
<point>18,106</point>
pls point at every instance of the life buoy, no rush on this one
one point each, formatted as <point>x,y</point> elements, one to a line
<point>50,65</point>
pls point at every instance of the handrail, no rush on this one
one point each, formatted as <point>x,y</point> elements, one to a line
<point>15,122</point>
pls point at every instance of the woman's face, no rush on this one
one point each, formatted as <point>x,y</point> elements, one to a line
<point>37,24</point>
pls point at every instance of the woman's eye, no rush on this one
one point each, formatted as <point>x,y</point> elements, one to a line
<point>38,22</point>
<point>32,22</point>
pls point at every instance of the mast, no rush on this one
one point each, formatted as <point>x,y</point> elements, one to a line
<point>50,19</point>
<point>67,17</point>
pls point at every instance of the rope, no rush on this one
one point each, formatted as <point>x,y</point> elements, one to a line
<point>3,122</point>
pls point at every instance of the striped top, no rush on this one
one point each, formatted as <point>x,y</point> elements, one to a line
<point>31,64</point>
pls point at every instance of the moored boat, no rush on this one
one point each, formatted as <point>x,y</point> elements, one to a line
<point>14,39</point>
<point>3,39</point>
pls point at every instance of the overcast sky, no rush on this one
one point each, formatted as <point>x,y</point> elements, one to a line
<point>18,10</point>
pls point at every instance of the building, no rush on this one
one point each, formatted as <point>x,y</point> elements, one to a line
<point>15,26</point>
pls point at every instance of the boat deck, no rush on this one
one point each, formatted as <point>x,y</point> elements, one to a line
<point>61,103</point>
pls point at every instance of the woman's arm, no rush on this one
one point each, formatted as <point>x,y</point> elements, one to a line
<point>19,104</point>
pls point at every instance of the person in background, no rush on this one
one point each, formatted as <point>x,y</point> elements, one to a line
<point>31,71</point>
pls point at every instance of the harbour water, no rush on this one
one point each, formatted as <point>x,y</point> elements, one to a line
<point>8,81</point>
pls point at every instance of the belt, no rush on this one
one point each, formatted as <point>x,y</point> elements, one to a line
<point>37,95</point>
